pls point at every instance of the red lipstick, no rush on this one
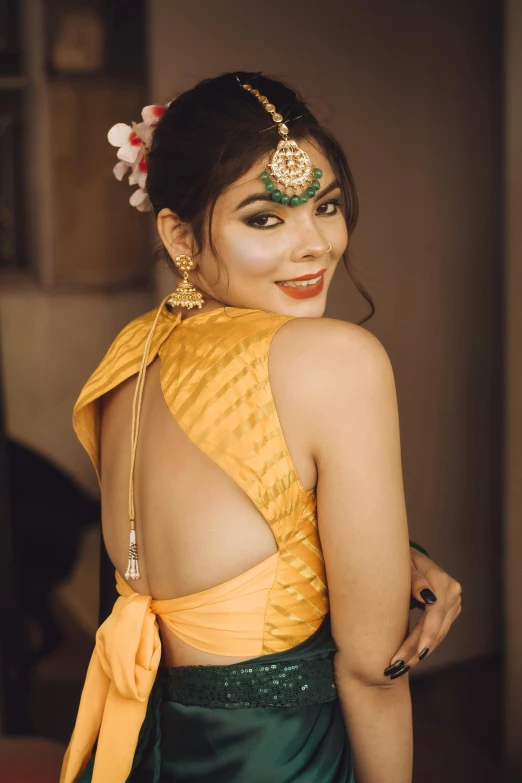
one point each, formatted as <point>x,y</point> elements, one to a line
<point>303,292</point>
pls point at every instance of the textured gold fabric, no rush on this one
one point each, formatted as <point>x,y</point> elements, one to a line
<point>214,377</point>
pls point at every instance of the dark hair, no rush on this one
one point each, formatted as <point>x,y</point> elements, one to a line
<point>213,134</point>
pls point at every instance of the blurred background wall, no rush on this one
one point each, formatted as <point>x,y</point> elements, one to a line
<point>513,395</point>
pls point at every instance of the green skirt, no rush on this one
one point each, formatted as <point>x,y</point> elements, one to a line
<point>220,724</point>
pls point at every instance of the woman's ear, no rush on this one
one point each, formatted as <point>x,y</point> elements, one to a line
<point>174,233</point>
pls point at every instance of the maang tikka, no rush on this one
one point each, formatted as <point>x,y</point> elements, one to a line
<point>290,177</point>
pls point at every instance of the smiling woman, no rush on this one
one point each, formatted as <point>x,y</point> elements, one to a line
<point>268,245</point>
<point>209,153</point>
<point>258,535</point>
<point>311,284</point>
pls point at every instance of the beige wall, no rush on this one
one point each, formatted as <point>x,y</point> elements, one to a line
<point>52,339</point>
<point>409,88</point>
<point>513,421</point>
<point>51,342</point>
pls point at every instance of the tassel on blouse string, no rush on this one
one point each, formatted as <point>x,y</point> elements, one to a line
<point>133,567</point>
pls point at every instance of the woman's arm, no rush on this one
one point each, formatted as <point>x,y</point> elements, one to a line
<point>354,432</point>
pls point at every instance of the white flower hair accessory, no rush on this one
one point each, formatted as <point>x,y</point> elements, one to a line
<point>134,145</point>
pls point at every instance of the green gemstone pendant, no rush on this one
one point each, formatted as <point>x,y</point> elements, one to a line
<point>290,167</point>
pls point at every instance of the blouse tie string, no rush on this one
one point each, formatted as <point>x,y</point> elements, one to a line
<point>133,569</point>
<point>125,660</point>
<point>119,680</point>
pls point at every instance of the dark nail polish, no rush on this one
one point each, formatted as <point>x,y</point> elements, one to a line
<point>428,596</point>
<point>424,653</point>
<point>393,668</point>
<point>399,674</point>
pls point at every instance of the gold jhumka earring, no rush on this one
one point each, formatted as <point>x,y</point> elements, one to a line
<point>290,177</point>
<point>185,295</point>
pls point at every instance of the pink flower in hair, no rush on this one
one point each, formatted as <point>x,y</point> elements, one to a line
<point>131,146</point>
<point>134,143</point>
<point>152,114</point>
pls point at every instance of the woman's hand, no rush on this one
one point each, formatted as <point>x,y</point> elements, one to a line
<point>428,582</point>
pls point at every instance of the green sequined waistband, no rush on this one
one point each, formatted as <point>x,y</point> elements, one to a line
<point>296,682</point>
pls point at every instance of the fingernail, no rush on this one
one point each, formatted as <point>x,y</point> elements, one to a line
<point>424,653</point>
<point>393,668</point>
<point>428,596</point>
<point>399,674</point>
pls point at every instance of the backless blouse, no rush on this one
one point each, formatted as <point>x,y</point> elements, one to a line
<point>215,382</point>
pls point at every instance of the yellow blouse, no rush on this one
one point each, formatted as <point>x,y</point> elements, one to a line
<point>215,381</point>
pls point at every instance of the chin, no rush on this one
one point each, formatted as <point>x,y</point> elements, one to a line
<point>301,309</point>
<point>308,309</point>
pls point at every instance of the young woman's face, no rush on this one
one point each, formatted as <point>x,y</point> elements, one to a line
<point>264,246</point>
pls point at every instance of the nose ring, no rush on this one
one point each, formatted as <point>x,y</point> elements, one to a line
<point>329,247</point>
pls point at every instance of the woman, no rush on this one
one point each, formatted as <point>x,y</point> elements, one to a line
<point>261,425</point>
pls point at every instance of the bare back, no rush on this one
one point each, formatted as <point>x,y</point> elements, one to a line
<point>198,527</point>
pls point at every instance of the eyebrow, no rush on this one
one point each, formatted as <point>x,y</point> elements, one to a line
<point>268,196</point>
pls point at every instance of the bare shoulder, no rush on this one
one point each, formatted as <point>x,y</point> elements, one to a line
<point>329,378</point>
<point>318,356</point>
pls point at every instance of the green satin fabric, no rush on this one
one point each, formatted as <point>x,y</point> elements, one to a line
<point>202,745</point>
<point>187,744</point>
<point>181,744</point>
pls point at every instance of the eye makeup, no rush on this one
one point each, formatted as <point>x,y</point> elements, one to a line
<point>250,220</point>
